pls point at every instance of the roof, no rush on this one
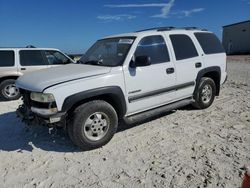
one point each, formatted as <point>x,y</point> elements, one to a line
<point>157,29</point>
<point>248,21</point>
<point>24,48</point>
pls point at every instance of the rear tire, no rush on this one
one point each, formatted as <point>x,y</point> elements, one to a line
<point>205,94</point>
<point>9,91</point>
<point>93,124</point>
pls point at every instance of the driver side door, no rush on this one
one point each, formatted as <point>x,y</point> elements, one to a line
<point>150,86</point>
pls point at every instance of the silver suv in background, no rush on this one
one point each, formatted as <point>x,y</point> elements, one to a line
<point>15,62</point>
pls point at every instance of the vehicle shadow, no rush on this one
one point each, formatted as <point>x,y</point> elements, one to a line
<point>2,99</point>
<point>16,136</point>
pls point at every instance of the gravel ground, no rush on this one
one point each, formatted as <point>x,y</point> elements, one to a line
<point>183,148</point>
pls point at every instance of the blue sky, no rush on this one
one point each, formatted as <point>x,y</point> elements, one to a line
<point>73,25</point>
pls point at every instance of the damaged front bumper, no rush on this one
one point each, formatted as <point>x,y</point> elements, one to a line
<point>31,118</point>
<point>33,112</point>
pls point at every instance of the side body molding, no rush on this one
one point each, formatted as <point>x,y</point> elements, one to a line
<point>112,94</point>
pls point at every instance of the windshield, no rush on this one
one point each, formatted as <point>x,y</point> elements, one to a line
<point>109,52</point>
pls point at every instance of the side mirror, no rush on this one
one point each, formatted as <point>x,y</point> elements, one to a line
<point>141,61</point>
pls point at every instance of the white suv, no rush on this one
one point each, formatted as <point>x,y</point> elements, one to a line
<point>127,76</point>
<point>15,62</point>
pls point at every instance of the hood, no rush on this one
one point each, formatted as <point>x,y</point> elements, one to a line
<point>39,80</point>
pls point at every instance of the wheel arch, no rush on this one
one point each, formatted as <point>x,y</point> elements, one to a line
<point>111,94</point>
<point>214,73</point>
<point>7,78</point>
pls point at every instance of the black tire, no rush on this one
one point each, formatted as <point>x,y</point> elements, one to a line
<point>78,132</point>
<point>200,96</point>
<point>7,96</point>
<point>70,130</point>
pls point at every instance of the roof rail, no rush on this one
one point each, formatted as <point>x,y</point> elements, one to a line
<point>190,28</point>
<point>193,28</point>
<point>171,28</point>
<point>30,46</point>
<point>165,28</point>
<point>158,29</point>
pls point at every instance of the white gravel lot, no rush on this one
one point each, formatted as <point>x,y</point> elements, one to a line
<point>184,148</point>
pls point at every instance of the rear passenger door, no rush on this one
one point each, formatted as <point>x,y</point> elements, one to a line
<point>187,63</point>
<point>32,60</point>
<point>150,86</point>
<point>56,58</point>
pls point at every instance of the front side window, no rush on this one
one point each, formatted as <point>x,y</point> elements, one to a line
<point>209,43</point>
<point>183,47</point>
<point>32,58</point>
<point>7,58</point>
<point>153,47</point>
<point>109,52</point>
<point>56,58</point>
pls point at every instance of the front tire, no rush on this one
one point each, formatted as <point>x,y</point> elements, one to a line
<point>205,94</point>
<point>94,124</point>
<point>9,91</point>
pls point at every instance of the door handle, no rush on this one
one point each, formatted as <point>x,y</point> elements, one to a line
<point>23,68</point>
<point>198,65</point>
<point>170,70</point>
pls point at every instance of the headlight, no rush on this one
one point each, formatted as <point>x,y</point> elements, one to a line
<point>42,97</point>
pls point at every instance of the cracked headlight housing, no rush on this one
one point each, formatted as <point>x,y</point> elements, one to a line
<point>42,97</point>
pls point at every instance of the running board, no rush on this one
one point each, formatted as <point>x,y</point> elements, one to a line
<point>157,111</point>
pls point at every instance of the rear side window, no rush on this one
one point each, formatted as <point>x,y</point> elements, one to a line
<point>209,43</point>
<point>154,47</point>
<point>32,58</point>
<point>183,47</point>
<point>7,58</point>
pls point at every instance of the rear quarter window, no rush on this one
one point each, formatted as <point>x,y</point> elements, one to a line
<point>7,58</point>
<point>184,47</point>
<point>209,43</point>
